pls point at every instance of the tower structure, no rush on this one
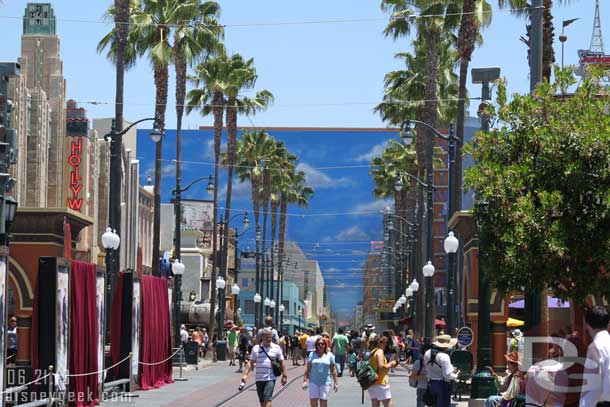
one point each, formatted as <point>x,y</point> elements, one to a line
<point>596,55</point>
<point>597,39</point>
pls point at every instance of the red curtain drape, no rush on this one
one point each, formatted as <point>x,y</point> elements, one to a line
<point>83,334</point>
<point>155,345</point>
<point>115,324</point>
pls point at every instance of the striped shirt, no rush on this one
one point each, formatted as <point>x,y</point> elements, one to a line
<point>264,371</point>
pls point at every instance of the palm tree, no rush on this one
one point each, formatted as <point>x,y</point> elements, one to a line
<point>150,29</point>
<point>196,39</point>
<point>240,76</point>
<point>254,148</point>
<point>208,97</point>
<point>282,163</point>
<point>475,14</point>
<point>295,191</point>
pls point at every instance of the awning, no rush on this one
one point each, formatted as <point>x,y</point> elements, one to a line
<point>514,323</point>
<point>552,302</point>
<point>439,323</point>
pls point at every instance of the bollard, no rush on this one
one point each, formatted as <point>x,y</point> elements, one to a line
<point>181,359</point>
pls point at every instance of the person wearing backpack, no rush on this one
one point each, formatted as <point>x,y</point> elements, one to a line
<point>379,391</point>
<point>419,379</point>
<point>440,370</point>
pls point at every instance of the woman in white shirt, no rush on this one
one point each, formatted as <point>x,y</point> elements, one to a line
<point>440,370</point>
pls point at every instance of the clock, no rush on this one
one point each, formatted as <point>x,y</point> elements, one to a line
<point>39,14</point>
<point>39,19</point>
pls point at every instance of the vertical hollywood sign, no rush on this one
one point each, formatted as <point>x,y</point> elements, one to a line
<point>74,200</point>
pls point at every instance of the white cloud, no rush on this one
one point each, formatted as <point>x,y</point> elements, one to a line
<point>353,233</point>
<point>376,151</point>
<point>239,190</point>
<point>208,151</point>
<point>376,206</point>
<point>168,169</point>
<point>317,179</point>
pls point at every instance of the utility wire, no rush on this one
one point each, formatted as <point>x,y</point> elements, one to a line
<point>109,21</point>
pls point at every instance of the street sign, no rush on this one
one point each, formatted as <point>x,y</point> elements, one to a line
<point>465,336</point>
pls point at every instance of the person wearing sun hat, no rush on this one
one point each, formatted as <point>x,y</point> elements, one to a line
<point>510,386</point>
<point>440,370</point>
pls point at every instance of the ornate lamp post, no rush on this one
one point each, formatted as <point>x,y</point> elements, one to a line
<point>257,300</point>
<point>178,271</point>
<point>428,272</point>
<point>451,245</point>
<point>281,308</point>
<point>111,242</point>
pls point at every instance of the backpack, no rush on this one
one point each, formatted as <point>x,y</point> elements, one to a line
<point>365,374</point>
<point>413,382</point>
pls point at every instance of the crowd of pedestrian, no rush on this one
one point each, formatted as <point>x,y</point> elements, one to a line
<point>428,364</point>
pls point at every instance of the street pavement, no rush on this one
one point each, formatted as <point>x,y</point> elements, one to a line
<point>214,385</point>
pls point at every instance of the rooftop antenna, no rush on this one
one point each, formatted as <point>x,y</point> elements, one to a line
<point>597,39</point>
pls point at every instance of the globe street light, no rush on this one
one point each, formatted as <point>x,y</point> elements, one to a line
<point>111,242</point>
<point>451,245</point>
<point>428,272</point>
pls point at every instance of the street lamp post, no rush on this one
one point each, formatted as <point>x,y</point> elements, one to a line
<point>451,245</point>
<point>281,308</point>
<point>414,286</point>
<point>223,269</point>
<point>257,299</point>
<point>177,271</point>
<point>111,242</point>
<point>258,280</point>
<point>116,169</point>
<point>428,272</point>
<point>482,381</point>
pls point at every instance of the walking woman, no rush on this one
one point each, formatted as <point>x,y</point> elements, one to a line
<point>320,369</point>
<point>380,390</point>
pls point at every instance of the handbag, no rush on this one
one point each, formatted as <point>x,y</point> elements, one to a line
<point>275,365</point>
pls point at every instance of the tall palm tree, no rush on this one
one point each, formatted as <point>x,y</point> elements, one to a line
<point>430,33</point>
<point>254,148</point>
<point>194,40</point>
<point>151,24</point>
<point>241,76</point>
<point>208,97</point>
<point>475,14</point>
<point>295,191</point>
<point>282,163</point>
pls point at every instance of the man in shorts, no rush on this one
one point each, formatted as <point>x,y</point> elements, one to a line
<point>232,341</point>
<point>260,359</point>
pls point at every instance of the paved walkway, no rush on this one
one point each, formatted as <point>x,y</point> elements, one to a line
<point>214,383</point>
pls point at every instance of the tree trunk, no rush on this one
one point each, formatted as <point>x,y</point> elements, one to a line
<point>256,208</point>
<point>266,194</point>
<point>161,78</point>
<point>232,136</point>
<point>274,206</point>
<point>548,36</point>
<point>282,238</point>
<point>180,65</point>
<point>467,35</point>
<point>431,113</point>
<point>217,112</point>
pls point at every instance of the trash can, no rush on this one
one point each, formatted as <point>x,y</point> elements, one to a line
<point>191,352</point>
<point>221,350</point>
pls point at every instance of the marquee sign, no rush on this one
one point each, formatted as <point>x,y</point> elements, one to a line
<point>75,200</point>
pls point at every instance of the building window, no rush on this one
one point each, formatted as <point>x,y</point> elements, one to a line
<point>286,306</point>
<point>249,306</point>
<point>244,283</point>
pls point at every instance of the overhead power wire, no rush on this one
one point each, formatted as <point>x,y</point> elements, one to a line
<point>296,105</point>
<point>109,21</point>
